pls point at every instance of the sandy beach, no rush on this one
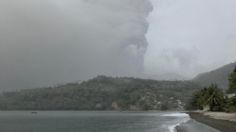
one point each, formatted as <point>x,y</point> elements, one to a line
<point>221,115</point>
<point>222,122</point>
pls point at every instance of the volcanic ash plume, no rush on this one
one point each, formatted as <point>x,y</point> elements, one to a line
<point>56,41</point>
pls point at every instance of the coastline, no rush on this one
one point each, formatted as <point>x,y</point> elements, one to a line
<point>214,122</point>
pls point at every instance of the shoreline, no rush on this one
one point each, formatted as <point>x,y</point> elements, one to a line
<point>217,124</point>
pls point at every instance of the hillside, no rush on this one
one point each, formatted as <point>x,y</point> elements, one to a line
<point>103,93</point>
<point>218,76</point>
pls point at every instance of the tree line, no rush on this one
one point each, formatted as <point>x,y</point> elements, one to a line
<point>103,93</point>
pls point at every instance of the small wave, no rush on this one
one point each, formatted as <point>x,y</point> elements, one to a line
<point>185,118</point>
<point>176,115</point>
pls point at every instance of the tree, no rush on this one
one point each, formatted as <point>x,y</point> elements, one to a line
<point>230,105</point>
<point>211,96</point>
<point>215,98</point>
<point>232,81</point>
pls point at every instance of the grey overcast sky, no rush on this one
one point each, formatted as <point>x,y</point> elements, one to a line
<point>190,36</point>
<point>48,42</point>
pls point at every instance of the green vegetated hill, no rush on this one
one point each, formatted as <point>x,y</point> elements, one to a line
<point>219,76</point>
<point>103,93</point>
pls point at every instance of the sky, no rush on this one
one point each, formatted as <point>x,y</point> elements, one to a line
<point>187,37</point>
<point>51,42</point>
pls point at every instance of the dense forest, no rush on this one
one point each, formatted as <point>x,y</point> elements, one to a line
<point>103,93</point>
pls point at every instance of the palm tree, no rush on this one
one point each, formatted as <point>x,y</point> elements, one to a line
<point>211,96</point>
<point>215,98</point>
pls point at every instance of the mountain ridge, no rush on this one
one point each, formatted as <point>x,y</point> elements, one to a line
<point>218,76</point>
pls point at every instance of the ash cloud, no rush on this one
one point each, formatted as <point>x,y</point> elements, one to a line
<point>187,37</point>
<point>50,42</point>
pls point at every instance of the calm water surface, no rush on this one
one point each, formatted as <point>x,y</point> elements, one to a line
<point>72,121</point>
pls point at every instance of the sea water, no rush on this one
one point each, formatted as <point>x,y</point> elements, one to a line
<point>74,121</point>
